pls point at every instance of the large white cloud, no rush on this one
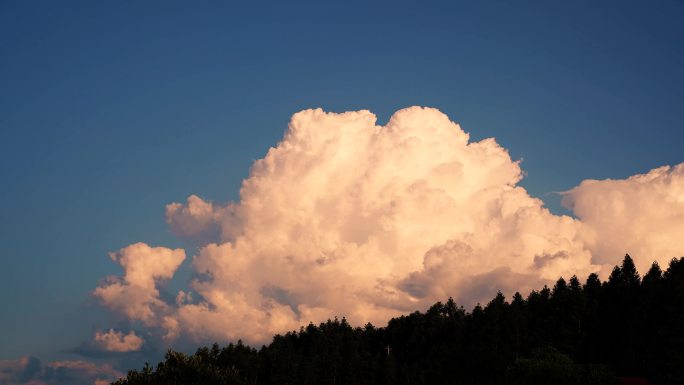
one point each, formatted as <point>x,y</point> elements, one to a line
<point>642,215</point>
<point>347,218</point>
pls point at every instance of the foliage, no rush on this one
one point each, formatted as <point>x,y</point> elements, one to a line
<point>572,333</point>
<point>549,366</point>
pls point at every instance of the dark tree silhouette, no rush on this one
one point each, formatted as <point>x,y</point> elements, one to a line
<point>571,334</point>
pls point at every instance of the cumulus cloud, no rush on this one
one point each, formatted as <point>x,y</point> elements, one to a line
<point>642,215</point>
<point>203,222</point>
<point>117,341</point>
<point>29,371</point>
<point>135,295</point>
<point>347,217</point>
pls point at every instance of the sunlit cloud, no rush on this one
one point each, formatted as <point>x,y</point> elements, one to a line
<point>348,218</point>
<point>642,215</point>
<point>117,341</point>
<point>135,294</point>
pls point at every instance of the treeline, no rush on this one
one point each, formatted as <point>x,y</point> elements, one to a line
<point>573,333</point>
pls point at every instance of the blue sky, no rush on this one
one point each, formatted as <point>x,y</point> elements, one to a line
<point>111,110</point>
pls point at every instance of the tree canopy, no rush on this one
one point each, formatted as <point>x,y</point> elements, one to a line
<point>572,333</point>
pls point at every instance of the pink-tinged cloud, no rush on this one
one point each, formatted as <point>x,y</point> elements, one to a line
<point>29,371</point>
<point>117,341</point>
<point>642,215</point>
<point>135,294</point>
<point>347,218</point>
<point>203,222</point>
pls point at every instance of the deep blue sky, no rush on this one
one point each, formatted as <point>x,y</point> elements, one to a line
<point>110,110</point>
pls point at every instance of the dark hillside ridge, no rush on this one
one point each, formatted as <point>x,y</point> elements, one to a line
<point>573,333</point>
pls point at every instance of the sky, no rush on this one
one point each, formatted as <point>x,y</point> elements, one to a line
<point>128,128</point>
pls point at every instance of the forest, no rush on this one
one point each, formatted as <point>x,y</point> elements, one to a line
<point>573,333</point>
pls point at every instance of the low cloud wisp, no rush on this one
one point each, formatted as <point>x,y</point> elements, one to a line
<point>30,371</point>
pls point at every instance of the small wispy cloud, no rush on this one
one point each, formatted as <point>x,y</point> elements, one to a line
<point>30,371</point>
<point>117,341</point>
